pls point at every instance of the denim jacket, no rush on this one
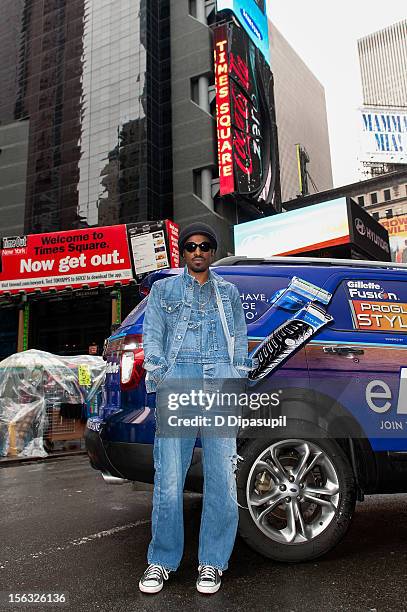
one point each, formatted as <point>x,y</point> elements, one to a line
<point>172,297</point>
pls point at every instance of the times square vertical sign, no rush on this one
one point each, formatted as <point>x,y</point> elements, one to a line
<point>246,131</point>
<point>223,112</point>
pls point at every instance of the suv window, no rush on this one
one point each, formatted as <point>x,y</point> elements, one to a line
<point>135,313</point>
<point>256,293</point>
<point>369,305</point>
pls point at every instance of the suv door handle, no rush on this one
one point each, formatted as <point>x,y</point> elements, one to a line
<point>345,351</point>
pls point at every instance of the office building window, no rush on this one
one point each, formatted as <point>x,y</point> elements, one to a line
<point>361,200</point>
<point>192,8</point>
<point>387,195</point>
<point>389,213</point>
<point>375,215</point>
<point>195,90</point>
<point>198,183</point>
<point>373,198</point>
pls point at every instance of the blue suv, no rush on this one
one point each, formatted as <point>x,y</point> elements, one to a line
<point>330,336</point>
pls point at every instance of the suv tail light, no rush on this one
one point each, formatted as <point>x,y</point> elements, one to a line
<point>131,363</point>
<point>144,290</point>
<point>145,287</point>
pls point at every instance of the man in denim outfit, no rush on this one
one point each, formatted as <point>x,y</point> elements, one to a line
<point>194,328</point>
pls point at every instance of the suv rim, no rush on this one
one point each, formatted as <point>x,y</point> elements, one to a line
<point>292,491</point>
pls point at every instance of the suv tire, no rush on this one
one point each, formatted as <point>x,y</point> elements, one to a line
<point>297,527</point>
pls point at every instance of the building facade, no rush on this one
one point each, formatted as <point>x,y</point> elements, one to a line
<point>10,35</point>
<point>385,201</point>
<point>383,66</point>
<point>301,119</point>
<point>13,134</point>
<point>93,85</point>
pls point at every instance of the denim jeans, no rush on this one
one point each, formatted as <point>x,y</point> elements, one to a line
<point>172,458</point>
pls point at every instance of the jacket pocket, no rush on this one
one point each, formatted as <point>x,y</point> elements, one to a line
<point>172,309</point>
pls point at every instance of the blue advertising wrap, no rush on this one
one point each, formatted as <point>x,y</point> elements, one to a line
<point>252,16</point>
<point>346,333</point>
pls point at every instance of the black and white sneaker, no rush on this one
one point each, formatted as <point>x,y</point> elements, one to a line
<point>208,579</point>
<point>152,581</point>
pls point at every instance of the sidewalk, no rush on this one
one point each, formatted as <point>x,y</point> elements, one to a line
<point>57,453</point>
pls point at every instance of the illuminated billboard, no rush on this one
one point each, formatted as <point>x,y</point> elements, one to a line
<point>252,16</point>
<point>397,228</point>
<point>223,112</point>
<point>246,129</point>
<point>320,226</point>
<point>383,135</point>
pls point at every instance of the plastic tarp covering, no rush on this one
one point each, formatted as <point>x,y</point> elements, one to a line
<point>33,384</point>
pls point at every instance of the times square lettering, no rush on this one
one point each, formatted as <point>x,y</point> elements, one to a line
<point>224,116</point>
<point>237,144</point>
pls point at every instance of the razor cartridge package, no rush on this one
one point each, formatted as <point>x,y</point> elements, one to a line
<point>299,293</point>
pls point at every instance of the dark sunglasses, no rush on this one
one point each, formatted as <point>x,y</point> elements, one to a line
<point>193,246</point>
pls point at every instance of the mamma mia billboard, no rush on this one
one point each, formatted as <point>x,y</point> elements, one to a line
<point>384,135</point>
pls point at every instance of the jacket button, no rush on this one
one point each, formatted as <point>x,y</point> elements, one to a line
<point>169,308</point>
<point>179,337</point>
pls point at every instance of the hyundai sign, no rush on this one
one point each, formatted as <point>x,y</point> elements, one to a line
<point>320,226</point>
<point>384,135</point>
<point>252,16</point>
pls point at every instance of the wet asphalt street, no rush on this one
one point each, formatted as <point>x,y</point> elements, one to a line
<point>63,530</point>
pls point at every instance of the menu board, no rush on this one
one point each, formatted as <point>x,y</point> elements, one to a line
<point>149,252</point>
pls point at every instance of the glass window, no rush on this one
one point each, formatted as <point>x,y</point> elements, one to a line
<point>387,195</point>
<point>373,198</point>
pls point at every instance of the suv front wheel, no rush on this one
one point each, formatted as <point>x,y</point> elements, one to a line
<point>296,496</point>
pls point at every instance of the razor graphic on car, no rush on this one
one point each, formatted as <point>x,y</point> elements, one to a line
<point>288,337</point>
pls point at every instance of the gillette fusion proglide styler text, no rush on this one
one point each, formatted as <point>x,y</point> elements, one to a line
<point>307,301</point>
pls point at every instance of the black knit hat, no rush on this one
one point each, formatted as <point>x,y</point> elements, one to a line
<point>197,228</point>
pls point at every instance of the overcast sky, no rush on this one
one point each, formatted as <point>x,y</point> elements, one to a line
<point>325,34</point>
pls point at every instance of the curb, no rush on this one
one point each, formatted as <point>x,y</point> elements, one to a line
<point>13,461</point>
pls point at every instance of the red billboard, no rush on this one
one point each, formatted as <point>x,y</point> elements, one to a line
<point>173,234</point>
<point>65,259</point>
<point>223,112</point>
